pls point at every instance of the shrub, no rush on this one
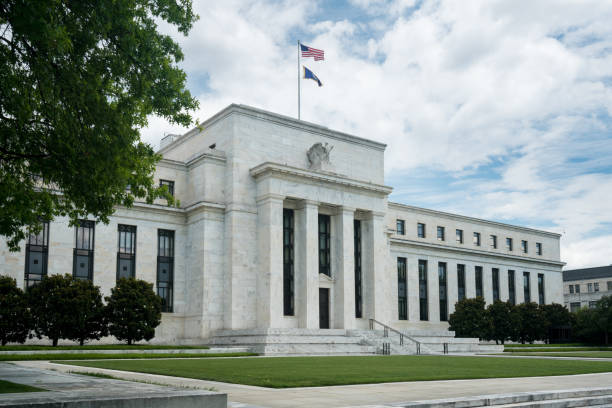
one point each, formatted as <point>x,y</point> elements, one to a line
<point>88,318</point>
<point>558,317</point>
<point>469,318</point>
<point>503,321</point>
<point>603,316</point>
<point>15,321</point>
<point>585,326</point>
<point>533,324</point>
<point>134,310</point>
<point>51,308</point>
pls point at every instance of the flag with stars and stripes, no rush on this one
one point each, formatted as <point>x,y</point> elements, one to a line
<point>312,52</point>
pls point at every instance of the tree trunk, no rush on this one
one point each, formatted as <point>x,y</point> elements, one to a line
<point>4,342</point>
<point>55,342</point>
<point>81,342</point>
<point>129,342</point>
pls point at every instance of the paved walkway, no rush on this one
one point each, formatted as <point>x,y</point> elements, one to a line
<point>357,395</point>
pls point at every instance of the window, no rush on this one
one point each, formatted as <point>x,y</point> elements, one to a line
<point>511,289</point>
<point>592,304</point>
<point>524,246</point>
<point>459,236</point>
<point>526,287</point>
<point>288,262</point>
<point>596,286</point>
<point>478,279</point>
<point>495,281</point>
<point>169,184</point>
<point>421,230</point>
<point>577,287</point>
<point>165,268</point>
<point>324,244</point>
<point>440,233</point>
<point>509,244</point>
<point>541,288</point>
<point>126,252</point>
<point>443,291</point>
<point>37,256</point>
<point>460,282</point>
<point>538,248</point>
<point>358,277</point>
<point>400,227</point>
<point>571,288</point>
<point>494,241</point>
<point>589,287</point>
<point>82,267</point>
<point>574,307</point>
<point>477,238</point>
<point>609,285</point>
<point>402,293</point>
<point>423,310</point>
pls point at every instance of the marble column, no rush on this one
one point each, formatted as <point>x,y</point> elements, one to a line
<point>344,269</point>
<point>413,288</point>
<point>487,283</point>
<point>375,261</point>
<point>433,289</point>
<point>270,272</point>
<point>307,264</point>
<point>503,284</point>
<point>452,293</point>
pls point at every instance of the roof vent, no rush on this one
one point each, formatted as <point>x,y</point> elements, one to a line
<point>166,140</point>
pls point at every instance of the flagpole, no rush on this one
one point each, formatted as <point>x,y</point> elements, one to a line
<point>298,77</point>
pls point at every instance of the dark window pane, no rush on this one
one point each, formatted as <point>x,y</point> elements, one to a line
<point>402,295</point>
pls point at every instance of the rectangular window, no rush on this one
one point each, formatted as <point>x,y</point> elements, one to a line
<point>443,291</point>
<point>324,244</point>
<point>541,288</point>
<point>169,184</point>
<point>459,236</point>
<point>421,230</point>
<point>592,304</point>
<point>460,282</point>
<point>400,227</point>
<point>526,287</point>
<point>511,289</point>
<point>577,287</point>
<point>402,292</point>
<point>574,307</point>
<point>524,246</point>
<point>165,268</point>
<point>37,256</point>
<point>509,244</point>
<point>571,288</point>
<point>423,309</point>
<point>288,262</point>
<point>495,280</point>
<point>493,241</point>
<point>441,234</point>
<point>82,267</point>
<point>477,238</point>
<point>126,251</point>
<point>590,287</point>
<point>358,277</point>
<point>538,248</point>
<point>478,279</point>
<point>596,286</point>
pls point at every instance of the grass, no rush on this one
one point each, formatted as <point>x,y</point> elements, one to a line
<point>548,349</point>
<point>100,356</point>
<point>591,354</point>
<point>112,377</point>
<point>548,345</point>
<point>8,387</point>
<point>286,372</point>
<point>99,347</point>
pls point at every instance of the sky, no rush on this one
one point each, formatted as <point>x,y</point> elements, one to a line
<point>494,109</point>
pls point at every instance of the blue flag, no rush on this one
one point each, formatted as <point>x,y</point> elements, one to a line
<point>308,74</point>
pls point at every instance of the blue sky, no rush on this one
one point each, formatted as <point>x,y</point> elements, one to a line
<point>494,109</point>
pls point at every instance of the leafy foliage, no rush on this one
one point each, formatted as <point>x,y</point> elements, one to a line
<point>504,321</point>
<point>469,318</point>
<point>88,318</point>
<point>51,305</point>
<point>534,325</point>
<point>134,310</point>
<point>557,317</point>
<point>15,321</point>
<point>77,82</point>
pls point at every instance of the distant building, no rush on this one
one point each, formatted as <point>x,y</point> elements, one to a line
<point>584,287</point>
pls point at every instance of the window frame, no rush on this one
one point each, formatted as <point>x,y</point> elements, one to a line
<point>288,262</point>
<point>459,236</point>
<point>324,250</point>
<point>423,291</point>
<point>129,255</point>
<point>400,227</point>
<point>524,246</point>
<point>402,288</point>
<point>169,184</point>
<point>476,239</point>
<point>509,244</point>
<point>539,248</point>
<point>441,233</point>
<point>83,250</point>
<point>493,239</point>
<point>166,256</point>
<point>39,245</point>
<point>421,230</point>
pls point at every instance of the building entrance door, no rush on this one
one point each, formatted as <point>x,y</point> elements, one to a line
<point>323,308</point>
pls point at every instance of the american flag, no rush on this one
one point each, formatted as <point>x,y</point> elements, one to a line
<point>312,52</point>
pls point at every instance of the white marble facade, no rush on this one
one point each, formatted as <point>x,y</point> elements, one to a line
<point>235,174</point>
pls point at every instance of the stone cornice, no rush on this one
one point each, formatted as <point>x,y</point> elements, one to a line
<point>438,247</point>
<point>269,168</point>
<point>165,209</point>
<point>458,217</point>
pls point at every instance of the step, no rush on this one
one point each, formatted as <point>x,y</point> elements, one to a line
<point>310,349</point>
<point>600,400</point>
<point>240,340</point>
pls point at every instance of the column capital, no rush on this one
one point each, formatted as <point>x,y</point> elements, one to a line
<point>269,197</point>
<point>375,214</point>
<point>346,209</point>
<point>307,203</point>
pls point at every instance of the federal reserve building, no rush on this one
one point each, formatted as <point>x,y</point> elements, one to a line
<point>285,239</point>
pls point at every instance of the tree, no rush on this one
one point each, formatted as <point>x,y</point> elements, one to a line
<point>603,316</point>
<point>88,317</point>
<point>504,321</point>
<point>533,325</point>
<point>51,306</point>
<point>15,322</point>
<point>586,326</point>
<point>469,318</point>
<point>134,310</point>
<point>557,317</point>
<point>77,82</point>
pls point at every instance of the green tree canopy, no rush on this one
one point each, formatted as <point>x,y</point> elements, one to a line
<point>14,314</point>
<point>603,316</point>
<point>469,318</point>
<point>77,82</point>
<point>504,321</point>
<point>51,305</point>
<point>533,323</point>
<point>88,317</point>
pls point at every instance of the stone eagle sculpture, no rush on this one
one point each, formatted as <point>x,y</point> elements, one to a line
<point>318,155</point>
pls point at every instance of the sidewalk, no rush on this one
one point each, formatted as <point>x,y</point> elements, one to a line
<point>357,395</point>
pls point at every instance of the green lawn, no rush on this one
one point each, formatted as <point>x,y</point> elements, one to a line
<point>548,349</point>
<point>549,345</point>
<point>284,372</point>
<point>7,386</point>
<point>100,356</point>
<point>99,347</point>
<point>593,354</point>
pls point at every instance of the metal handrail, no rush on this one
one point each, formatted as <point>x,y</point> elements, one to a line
<point>387,329</point>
